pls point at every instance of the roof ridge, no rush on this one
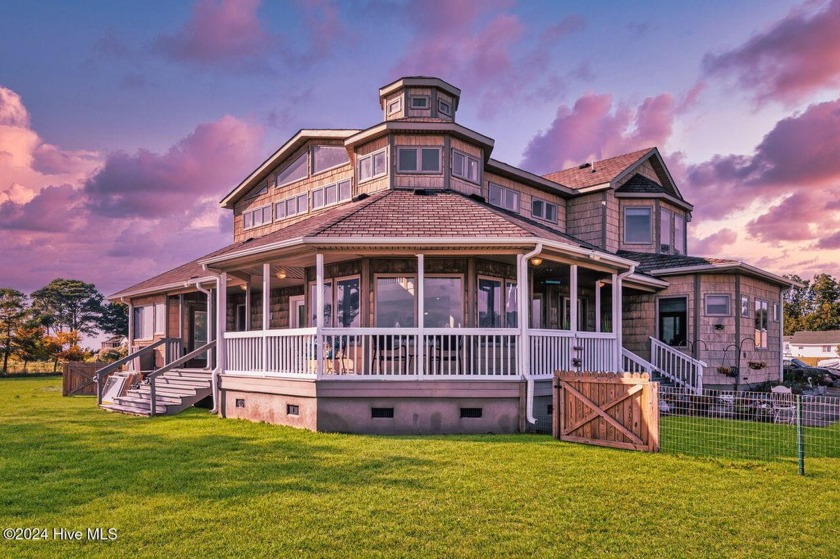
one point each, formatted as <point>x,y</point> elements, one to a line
<point>644,150</point>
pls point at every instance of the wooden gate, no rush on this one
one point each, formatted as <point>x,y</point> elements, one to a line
<point>609,409</point>
<point>79,379</point>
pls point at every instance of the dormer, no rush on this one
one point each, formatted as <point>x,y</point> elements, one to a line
<point>419,97</point>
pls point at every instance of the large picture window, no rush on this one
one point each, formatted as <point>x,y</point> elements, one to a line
<point>443,302</point>
<point>497,303</point>
<point>341,305</point>
<point>327,157</point>
<point>296,171</point>
<point>673,320</point>
<point>418,160</point>
<point>395,302</point>
<point>761,320</point>
<point>637,226</point>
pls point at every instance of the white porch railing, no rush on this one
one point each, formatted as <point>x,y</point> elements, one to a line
<point>560,350</point>
<point>480,353</point>
<point>683,369</point>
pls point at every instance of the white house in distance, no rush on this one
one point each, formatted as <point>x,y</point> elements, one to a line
<point>822,345</point>
<point>398,279</point>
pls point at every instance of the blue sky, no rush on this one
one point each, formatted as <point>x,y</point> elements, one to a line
<point>103,103</point>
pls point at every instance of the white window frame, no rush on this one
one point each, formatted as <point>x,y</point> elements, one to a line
<point>252,212</point>
<point>426,102</point>
<point>762,309</point>
<point>504,191</point>
<point>464,301</point>
<point>650,225</point>
<point>333,285</point>
<point>394,105</point>
<point>278,184</point>
<point>464,172</point>
<point>312,160</point>
<point>419,153</point>
<point>728,304</point>
<point>745,306</point>
<point>545,203</point>
<point>444,103</point>
<point>372,156</point>
<point>323,190</point>
<point>376,278</point>
<point>239,325</point>
<point>146,313</point>
<point>775,317</point>
<point>683,232</point>
<point>278,217</point>
<point>160,318</point>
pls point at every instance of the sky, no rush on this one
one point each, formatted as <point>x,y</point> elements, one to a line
<point>123,124</point>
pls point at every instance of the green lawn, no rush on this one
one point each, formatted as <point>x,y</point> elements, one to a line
<point>194,485</point>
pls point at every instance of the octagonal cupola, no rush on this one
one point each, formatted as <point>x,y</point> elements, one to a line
<point>419,97</point>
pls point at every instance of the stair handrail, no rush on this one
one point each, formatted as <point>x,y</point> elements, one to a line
<point>111,367</point>
<point>697,365</point>
<point>644,364</point>
<point>168,367</point>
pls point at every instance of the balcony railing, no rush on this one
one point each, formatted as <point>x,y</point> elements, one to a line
<point>479,353</point>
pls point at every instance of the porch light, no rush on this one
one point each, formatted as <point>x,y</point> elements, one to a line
<point>536,261</point>
<point>594,256</point>
<point>244,287</point>
<point>281,273</point>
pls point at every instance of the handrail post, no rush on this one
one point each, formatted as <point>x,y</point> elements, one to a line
<point>152,403</point>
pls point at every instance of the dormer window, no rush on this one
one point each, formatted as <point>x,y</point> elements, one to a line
<point>544,210</point>
<point>373,165</point>
<point>502,197</point>
<point>637,225</point>
<point>444,107</point>
<point>296,171</point>
<point>419,102</point>
<point>395,106</point>
<point>418,160</point>
<point>465,166</point>
<point>325,158</point>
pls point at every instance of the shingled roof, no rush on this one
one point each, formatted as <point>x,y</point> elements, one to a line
<point>601,172</point>
<point>824,337</point>
<point>649,261</point>
<point>640,184</point>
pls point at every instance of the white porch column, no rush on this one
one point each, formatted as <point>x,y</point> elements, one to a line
<point>266,313</point>
<point>221,328</point>
<point>420,350</point>
<point>616,320</point>
<point>248,305</point>
<point>319,313</point>
<point>181,318</point>
<point>130,326</point>
<point>573,295</point>
<point>211,331</point>
<point>522,304</point>
<point>598,285</point>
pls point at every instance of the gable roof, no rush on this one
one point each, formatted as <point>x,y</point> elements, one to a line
<point>602,172</point>
<point>641,185</point>
<point>824,337</point>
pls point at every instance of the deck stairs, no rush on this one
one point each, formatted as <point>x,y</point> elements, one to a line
<point>667,365</point>
<point>175,391</point>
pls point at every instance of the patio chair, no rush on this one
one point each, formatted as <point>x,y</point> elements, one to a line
<point>447,349</point>
<point>784,405</point>
<point>389,355</point>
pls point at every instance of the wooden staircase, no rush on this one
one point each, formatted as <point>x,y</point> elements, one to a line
<point>175,391</point>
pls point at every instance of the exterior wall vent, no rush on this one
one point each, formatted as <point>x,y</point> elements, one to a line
<point>240,402</point>
<point>292,409</point>
<point>382,413</point>
<point>471,413</point>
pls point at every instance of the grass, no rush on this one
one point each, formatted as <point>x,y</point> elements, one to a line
<point>194,485</point>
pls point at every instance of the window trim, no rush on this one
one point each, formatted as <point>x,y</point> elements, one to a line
<point>142,313</point>
<point>518,209</point>
<point>333,282</point>
<point>764,305</point>
<point>467,157</point>
<point>386,275</point>
<point>464,302</point>
<point>323,189</point>
<point>775,316</point>
<point>650,225</point>
<point>426,105</point>
<point>392,103</point>
<point>681,250</point>
<point>313,172</point>
<point>307,166</point>
<point>372,155</point>
<point>544,202</point>
<point>666,225</point>
<point>419,150</point>
<point>253,211</point>
<point>745,304</point>
<point>448,104</point>
<point>286,216</point>
<point>162,324</point>
<point>728,304</point>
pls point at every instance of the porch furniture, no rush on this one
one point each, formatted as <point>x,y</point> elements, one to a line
<point>783,403</point>
<point>447,349</point>
<point>390,355</point>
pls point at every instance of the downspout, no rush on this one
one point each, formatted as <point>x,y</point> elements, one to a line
<point>523,325</point>
<point>214,378</point>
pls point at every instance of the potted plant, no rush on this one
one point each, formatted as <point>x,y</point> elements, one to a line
<point>757,365</point>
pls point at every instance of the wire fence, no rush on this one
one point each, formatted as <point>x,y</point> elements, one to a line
<point>750,425</point>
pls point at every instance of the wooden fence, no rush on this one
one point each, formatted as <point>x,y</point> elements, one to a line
<point>608,409</point>
<point>79,379</point>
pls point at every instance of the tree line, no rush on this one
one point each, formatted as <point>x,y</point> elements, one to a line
<point>814,306</point>
<point>48,324</point>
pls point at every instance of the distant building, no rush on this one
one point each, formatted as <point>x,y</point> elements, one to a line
<point>114,342</point>
<point>813,344</point>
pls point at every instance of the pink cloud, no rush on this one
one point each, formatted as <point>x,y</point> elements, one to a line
<point>596,128</point>
<point>495,58</point>
<point>802,216</point>
<point>714,244</point>
<point>150,185</point>
<point>12,110</point>
<point>225,31</point>
<point>798,55</point>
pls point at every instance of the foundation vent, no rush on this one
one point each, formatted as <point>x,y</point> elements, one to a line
<point>292,409</point>
<point>382,413</point>
<point>240,402</point>
<point>471,413</point>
